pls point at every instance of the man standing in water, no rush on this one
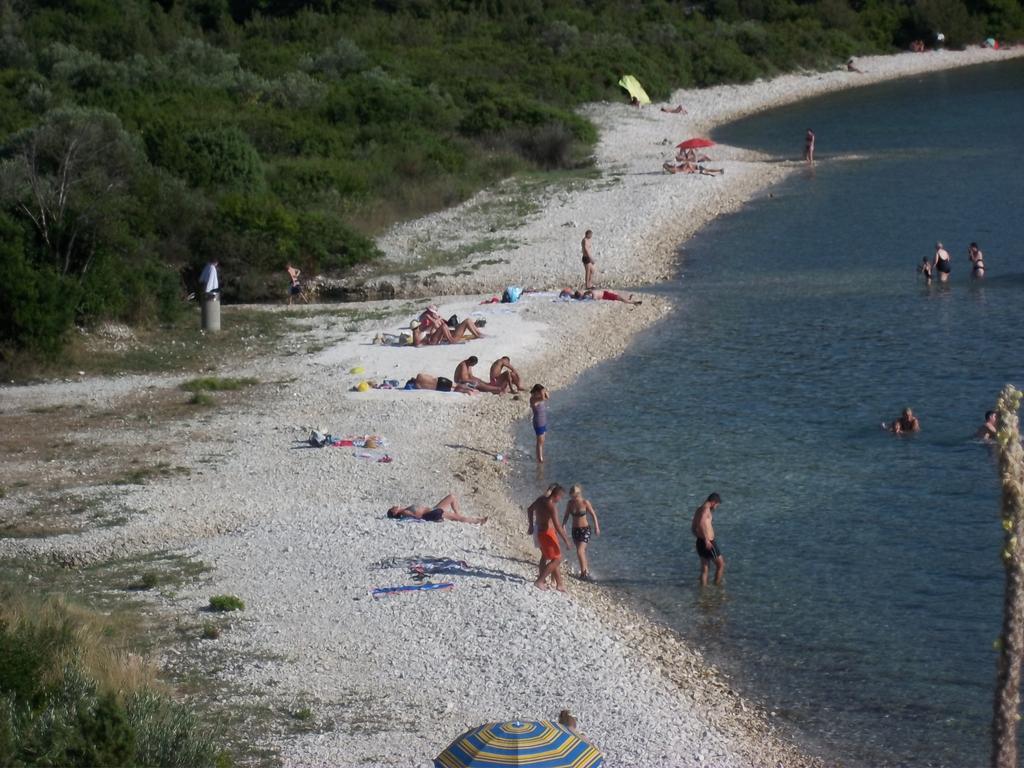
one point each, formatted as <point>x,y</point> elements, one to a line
<point>588,261</point>
<point>809,147</point>
<point>704,532</point>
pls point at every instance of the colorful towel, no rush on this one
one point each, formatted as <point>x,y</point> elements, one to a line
<point>389,591</point>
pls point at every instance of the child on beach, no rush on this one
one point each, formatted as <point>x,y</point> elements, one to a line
<point>539,406</point>
<point>578,508</point>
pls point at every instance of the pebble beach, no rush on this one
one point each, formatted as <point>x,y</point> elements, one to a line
<point>300,533</point>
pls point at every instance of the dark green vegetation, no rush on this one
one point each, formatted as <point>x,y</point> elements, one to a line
<point>223,603</point>
<point>72,693</point>
<point>140,138</point>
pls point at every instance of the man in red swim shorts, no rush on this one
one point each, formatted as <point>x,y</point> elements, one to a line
<point>543,520</point>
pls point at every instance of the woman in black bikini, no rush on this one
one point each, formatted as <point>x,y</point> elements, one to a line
<point>578,508</point>
<point>977,260</point>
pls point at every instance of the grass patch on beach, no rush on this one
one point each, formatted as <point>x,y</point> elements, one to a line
<point>226,603</point>
<point>143,474</point>
<point>39,516</point>
<point>74,691</point>
<point>248,333</point>
<point>218,384</point>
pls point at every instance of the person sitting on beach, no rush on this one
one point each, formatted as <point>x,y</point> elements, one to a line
<point>676,110</point>
<point>690,156</point>
<point>578,509</point>
<point>437,384</point>
<point>446,509</point>
<point>907,422</point>
<point>433,329</point>
<point>464,375</point>
<point>851,67</point>
<point>504,376</point>
<point>542,517</point>
<point>942,263</point>
<point>565,718</point>
<point>688,167</point>
<point>917,46</point>
<point>977,260</point>
<point>990,429</point>
<point>704,531</point>
<point>925,269</point>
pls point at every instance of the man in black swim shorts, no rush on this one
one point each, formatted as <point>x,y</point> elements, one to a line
<point>704,532</point>
<point>446,509</point>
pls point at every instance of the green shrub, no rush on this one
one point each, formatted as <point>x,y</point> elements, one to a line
<point>210,631</point>
<point>226,603</point>
<point>217,384</point>
<point>37,306</point>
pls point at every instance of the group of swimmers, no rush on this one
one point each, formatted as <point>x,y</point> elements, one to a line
<point>907,423</point>
<point>943,266</point>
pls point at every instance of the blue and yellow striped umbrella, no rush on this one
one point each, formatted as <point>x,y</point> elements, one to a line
<point>539,744</point>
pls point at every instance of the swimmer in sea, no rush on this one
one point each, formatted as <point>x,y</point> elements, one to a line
<point>990,429</point>
<point>925,269</point>
<point>977,260</point>
<point>907,422</point>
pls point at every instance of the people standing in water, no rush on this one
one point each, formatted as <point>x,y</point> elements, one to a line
<point>539,406</point>
<point>579,509</point>
<point>977,260</point>
<point>704,531</point>
<point>990,429</point>
<point>942,263</point>
<point>589,265</point>
<point>906,422</point>
<point>925,269</point>
<point>809,147</point>
<point>542,517</point>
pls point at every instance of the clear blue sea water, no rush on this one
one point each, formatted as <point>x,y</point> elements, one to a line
<point>864,583</point>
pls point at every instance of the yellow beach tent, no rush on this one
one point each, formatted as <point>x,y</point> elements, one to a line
<point>636,90</point>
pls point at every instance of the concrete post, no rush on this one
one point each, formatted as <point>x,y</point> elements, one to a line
<point>211,312</point>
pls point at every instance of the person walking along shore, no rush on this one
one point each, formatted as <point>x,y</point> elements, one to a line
<point>578,509</point>
<point>704,531</point>
<point>542,516</point>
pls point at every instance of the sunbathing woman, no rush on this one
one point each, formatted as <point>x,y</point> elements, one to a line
<point>446,509</point>
<point>690,156</point>
<point>688,167</point>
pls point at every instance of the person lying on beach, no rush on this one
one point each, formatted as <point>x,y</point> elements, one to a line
<point>604,295</point>
<point>688,167</point>
<point>446,509</point>
<point>704,531</point>
<point>690,156</point>
<point>432,329</point>
<point>676,110</point>
<point>578,509</point>
<point>438,384</point>
<point>464,375</point>
<point>542,517</point>
<point>907,422</point>
<point>504,376</point>
<point>925,269</point>
<point>990,429</point>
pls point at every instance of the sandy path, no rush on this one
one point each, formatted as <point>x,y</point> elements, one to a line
<point>300,533</point>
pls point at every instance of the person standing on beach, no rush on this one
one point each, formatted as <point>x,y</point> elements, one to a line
<point>578,509</point>
<point>539,406</point>
<point>542,516</point>
<point>809,147</point>
<point>942,264</point>
<point>704,532</point>
<point>295,287</point>
<point>589,265</point>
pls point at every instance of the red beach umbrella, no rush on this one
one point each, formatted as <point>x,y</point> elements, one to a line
<point>695,144</point>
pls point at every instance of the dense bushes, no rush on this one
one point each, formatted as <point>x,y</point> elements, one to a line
<point>265,131</point>
<point>70,695</point>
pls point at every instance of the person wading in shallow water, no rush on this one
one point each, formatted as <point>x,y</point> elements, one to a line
<point>704,532</point>
<point>542,516</point>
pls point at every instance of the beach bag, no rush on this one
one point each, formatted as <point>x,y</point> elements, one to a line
<point>318,439</point>
<point>511,294</point>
